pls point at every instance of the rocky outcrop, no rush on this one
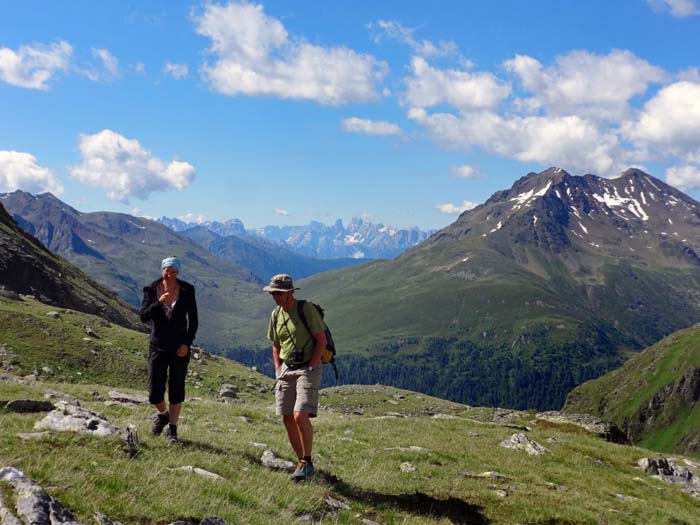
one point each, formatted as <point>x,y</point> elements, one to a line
<point>672,471</point>
<point>601,428</point>
<point>663,407</point>
<point>522,442</point>
<point>32,504</point>
<point>270,460</point>
<point>72,418</point>
<point>121,397</point>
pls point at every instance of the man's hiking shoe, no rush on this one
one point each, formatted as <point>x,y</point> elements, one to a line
<point>159,423</point>
<point>171,434</point>
<point>304,471</point>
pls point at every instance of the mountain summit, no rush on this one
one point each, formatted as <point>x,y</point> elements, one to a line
<point>634,213</point>
<point>545,285</point>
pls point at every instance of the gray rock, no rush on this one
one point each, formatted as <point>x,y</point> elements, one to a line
<point>53,314</point>
<point>522,442</point>
<point>445,416</point>
<point>48,371</point>
<point>501,493</point>
<point>28,406</point>
<point>486,475</point>
<point>228,391</point>
<point>623,497</point>
<point>212,520</point>
<point>90,332</point>
<point>408,467</point>
<point>270,460</point>
<point>135,399</point>
<point>335,505</point>
<point>199,471</point>
<point>670,471</point>
<point>101,519</point>
<point>26,436</point>
<point>412,448</point>
<point>601,428</point>
<point>72,418</point>
<point>6,515</point>
<point>367,521</point>
<point>33,505</point>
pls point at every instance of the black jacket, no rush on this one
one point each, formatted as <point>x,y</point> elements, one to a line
<point>168,334</point>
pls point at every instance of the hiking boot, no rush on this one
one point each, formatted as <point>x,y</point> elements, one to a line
<point>303,471</point>
<point>171,434</point>
<point>159,423</point>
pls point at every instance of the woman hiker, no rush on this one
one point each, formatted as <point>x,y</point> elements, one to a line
<point>170,305</point>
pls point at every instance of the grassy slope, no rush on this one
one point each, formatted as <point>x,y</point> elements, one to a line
<point>577,484</point>
<point>27,266</point>
<point>621,394</point>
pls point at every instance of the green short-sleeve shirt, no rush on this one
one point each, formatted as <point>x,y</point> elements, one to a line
<point>290,333</point>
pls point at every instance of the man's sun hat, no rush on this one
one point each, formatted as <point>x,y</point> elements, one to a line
<point>280,283</point>
<point>170,261</point>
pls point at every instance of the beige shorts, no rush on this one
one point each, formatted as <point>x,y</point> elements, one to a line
<point>297,390</point>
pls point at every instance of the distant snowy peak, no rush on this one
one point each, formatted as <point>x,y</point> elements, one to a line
<point>359,240</point>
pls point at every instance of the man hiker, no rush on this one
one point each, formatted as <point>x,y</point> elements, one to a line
<point>296,353</point>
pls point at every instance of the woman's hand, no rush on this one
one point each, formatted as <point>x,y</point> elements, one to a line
<point>164,298</point>
<point>183,350</point>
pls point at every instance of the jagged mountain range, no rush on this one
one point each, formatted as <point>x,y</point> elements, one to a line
<point>361,239</point>
<point>547,284</point>
<point>263,258</point>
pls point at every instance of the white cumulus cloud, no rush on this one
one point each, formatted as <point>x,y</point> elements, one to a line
<point>21,171</point>
<point>454,209</point>
<point>125,169</point>
<point>678,8</point>
<point>462,89</point>
<point>669,123</point>
<point>281,212</point>
<point>570,142</point>
<point>105,71</point>
<point>396,31</point>
<point>370,127</point>
<point>465,171</point>
<point>254,55</point>
<point>584,84</point>
<point>177,71</point>
<point>684,177</point>
<point>33,66</point>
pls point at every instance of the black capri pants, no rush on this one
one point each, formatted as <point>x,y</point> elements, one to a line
<point>166,367</point>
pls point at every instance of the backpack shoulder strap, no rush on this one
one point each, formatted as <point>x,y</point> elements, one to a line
<point>274,318</point>
<point>300,310</point>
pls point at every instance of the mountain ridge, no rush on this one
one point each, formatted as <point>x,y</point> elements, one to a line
<point>28,267</point>
<point>361,239</point>
<point>557,271</point>
<point>125,252</point>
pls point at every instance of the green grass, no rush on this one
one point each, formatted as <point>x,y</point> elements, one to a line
<point>620,395</point>
<point>576,484</point>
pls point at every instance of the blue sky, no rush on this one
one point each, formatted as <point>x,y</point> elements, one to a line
<point>284,112</point>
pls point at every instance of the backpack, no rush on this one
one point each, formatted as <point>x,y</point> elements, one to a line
<point>328,356</point>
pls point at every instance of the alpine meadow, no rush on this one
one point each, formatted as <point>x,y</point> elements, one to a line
<point>485,215</point>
